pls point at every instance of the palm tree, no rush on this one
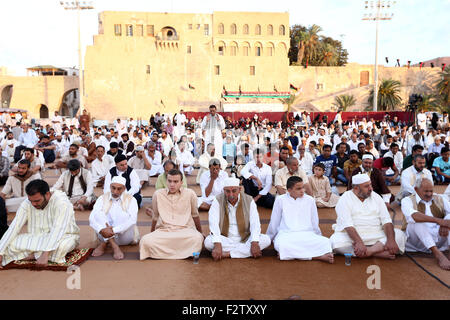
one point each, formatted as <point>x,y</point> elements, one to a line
<point>289,102</point>
<point>388,95</point>
<point>443,87</point>
<point>344,101</point>
<point>307,43</point>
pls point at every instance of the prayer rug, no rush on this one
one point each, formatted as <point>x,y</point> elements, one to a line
<point>75,257</point>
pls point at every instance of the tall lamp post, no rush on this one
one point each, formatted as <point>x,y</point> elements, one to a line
<point>379,10</point>
<point>79,5</point>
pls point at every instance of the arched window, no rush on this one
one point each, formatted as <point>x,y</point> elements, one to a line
<point>282,30</point>
<point>270,30</point>
<point>258,49</point>
<point>221,28</point>
<point>245,48</point>
<point>233,29</point>
<point>245,29</point>
<point>43,112</point>
<point>258,29</point>
<point>233,49</point>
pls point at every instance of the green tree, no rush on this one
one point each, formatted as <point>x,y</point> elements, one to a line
<point>308,48</point>
<point>289,102</point>
<point>388,95</point>
<point>344,101</point>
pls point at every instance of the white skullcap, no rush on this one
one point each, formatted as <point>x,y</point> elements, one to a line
<point>119,180</point>
<point>231,182</point>
<point>360,178</point>
<point>139,148</point>
<point>367,156</point>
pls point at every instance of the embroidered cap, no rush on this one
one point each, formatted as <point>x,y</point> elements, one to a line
<point>231,182</point>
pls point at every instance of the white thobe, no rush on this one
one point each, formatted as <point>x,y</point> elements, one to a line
<point>181,121</point>
<point>57,125</point>
<point>213,132</point>
<point>203,162</point>
<point>156,162</point>
<point>233,243</point>
<point>408,179</point>
<point>63,183</point>
<point>306,163</point>
<point>367,217</point>
<point>421,236</point>
<point>216,189</point>
<point>294,228</point>
<point>100,169</point>
<point>167,145</point>
<point>183,158</point>
<point>123,222</point>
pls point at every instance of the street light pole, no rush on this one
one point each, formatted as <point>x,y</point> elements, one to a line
<point>79,5</point>
<point>378,6</point>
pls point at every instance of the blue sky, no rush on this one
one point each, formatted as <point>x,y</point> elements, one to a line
<point>42,32</point>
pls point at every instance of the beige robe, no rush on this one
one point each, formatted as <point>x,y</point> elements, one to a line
<point>320,188</point>
<point>175,236</point>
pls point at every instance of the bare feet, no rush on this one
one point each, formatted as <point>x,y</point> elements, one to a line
<point>329,257</point>
<point>118,254</point>
<point>384,255</point>
<point>378,247</point>
<point>226,254</point>
<point>29,258</point>
<point>100,250</point>
<point>443,262</point>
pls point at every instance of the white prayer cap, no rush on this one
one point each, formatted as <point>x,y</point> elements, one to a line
<point>231,182</point>
<point>367,156</point>
<point>119,180</point>
<point>30,145</point>
<point>360,178</point>
<point>139,148</point>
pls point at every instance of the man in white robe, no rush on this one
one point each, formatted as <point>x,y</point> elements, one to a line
<point>205,158</point>
<point>211,184</point>
<point>212,126</point>
<point>364,227</point>
<point>234,225</point>
<point>294,226</point>
<point>140,164</point>
<point>411,174</point>
<point>51,231</point>
<point>427,222</point>
<point>114,219</point>
<point>181,120</point>
<point>185,159</point>
<point>57,121</point>
<point>100,166</point>
<point>154,157</point>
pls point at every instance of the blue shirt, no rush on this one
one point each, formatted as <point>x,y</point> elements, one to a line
<point>442,165</point>
<point>329,163</point>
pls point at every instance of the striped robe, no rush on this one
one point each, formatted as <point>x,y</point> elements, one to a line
<point>52,229</point>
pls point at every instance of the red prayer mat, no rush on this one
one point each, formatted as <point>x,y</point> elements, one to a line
<point>75,257</point>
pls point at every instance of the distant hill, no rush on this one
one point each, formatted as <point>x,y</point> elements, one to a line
<point>437,62</point>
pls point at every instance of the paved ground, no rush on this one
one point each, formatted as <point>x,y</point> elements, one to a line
<point>265,278</point>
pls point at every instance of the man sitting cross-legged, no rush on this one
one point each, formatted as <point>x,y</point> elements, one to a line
<point>211,184</point>
<point>51,232</point>
<point>294,226</point>
<point>364,226</point>
<point>234,224</point>
<point>114,219</point>
<point>14,190</point>
<point>78,185</point>
<point>176,230</point>
<point>427,222</point>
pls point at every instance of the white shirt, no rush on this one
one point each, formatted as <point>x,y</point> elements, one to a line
<point>408,176</point>
<point>264,174</point>
<point>364,215</point>
<point>293,215</point>
<point>167,145</point>
<point>116,217</point>
<point>233,232</point>
<point>99,168</point>
<point>217,186</point>
<point>306,163</point>
<point>63,184</point>
<point>134,182</point>
<point>408,211</point>
<point>398,159</point>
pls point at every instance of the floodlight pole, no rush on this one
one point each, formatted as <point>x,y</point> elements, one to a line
<point>78,6</point>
